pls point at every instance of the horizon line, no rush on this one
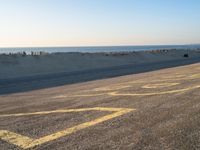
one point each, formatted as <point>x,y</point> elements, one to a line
<point>102,46</point>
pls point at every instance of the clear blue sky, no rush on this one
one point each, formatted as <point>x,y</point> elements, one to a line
<point>98,22</point>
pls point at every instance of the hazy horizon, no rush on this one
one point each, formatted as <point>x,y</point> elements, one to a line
<point>145,45</point>
<point>77,23</point>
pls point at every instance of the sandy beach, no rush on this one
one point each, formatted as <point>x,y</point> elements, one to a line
<point>22,66</point>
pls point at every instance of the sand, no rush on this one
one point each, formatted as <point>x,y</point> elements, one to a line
<point>22,66</point>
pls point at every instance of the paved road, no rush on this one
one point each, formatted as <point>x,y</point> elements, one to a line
<point>24,84</point>
<point>155,110</point>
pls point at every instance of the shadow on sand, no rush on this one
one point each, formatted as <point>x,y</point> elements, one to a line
<point>24,84</point>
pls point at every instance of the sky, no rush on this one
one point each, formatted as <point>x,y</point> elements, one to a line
<point>38,23</point>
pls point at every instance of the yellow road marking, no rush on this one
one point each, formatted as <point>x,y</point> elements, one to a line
<point>154,93</point>
<point>27,142</point>
<point>175,76</point>
<point>109,88</point>
<point>16,139</point>
<point>117,93</point>
<point>195,76</point>
<point>187,77</point>
<point>81,95</point>
<point>159,85</point>
<point>124,85</point>
<point>62,111</point>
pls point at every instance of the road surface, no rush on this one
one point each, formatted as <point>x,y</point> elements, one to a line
<point>154,110</point>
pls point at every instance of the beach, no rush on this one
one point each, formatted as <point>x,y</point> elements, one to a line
<point>13,66</point>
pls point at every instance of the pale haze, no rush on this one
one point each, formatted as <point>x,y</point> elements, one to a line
<point>37,23</point>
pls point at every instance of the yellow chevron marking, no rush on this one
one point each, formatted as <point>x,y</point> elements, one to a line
<point>27,142</point>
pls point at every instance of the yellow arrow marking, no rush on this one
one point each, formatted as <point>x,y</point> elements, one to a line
<point>27,142</point>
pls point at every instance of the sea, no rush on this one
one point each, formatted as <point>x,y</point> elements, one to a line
<point>95,49</point>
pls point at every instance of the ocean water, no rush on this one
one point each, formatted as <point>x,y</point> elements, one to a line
<point>94,49</point>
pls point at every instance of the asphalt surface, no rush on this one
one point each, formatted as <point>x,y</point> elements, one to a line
<point>153,111</point>
<point>24,84</point>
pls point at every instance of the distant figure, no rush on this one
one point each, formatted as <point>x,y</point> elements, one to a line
<point>23,53</point>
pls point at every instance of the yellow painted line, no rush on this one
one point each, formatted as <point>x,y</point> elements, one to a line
<point>195,76</point>
<point>79,95</point>
<point>165,78</point>
<point>16,139</point>
<point>111,88</point>
<point>117,93</point>
<point>62,111</point>
<point>154,93</point>
<point>26,142</point>
<point>174,76</point>
<point>159,85</point>
<point>189,77</point>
